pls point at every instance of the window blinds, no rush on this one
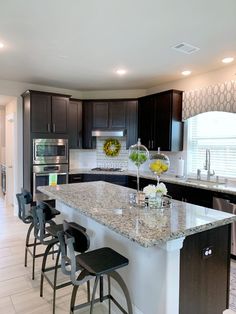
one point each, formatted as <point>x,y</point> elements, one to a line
<point>215,131</point>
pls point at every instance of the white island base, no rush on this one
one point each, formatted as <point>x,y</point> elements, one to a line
<point>152,275</point>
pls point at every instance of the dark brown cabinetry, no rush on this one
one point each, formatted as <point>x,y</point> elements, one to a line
<point>160,122</point>
<point>87,177</point>
<point>44,116</point>
<point>109,115</point>
<point>48,113</point>
<point>204,280</point>
<point>75,124</point>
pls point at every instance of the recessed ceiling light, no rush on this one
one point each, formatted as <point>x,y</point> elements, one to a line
<point>121,71</point>
<point>1,45</point>
<point>228,60</point>
<point>186,72</point>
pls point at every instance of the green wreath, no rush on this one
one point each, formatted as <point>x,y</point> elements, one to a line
<point>111,147</point>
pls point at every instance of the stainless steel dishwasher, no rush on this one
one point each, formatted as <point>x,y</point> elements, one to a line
<point>226,206</point>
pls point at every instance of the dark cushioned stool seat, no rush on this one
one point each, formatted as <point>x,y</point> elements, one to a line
<point>101,261</point>
<point>54,229</point>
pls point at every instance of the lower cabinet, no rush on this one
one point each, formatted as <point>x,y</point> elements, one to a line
<point>87,177</point>
<point>204,280</point>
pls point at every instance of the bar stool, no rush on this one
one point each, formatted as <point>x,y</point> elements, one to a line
<point>25,204</point>
<point>93,264</point>
<point>47,235</point>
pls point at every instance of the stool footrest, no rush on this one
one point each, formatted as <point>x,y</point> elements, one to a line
<point>97,300</point>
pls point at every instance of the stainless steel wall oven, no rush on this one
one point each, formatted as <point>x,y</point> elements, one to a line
<point>50,159</point>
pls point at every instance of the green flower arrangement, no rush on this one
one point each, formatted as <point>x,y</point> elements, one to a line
<point>112,147</point>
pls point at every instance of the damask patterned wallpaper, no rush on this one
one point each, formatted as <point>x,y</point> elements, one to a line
<point>220,97</point>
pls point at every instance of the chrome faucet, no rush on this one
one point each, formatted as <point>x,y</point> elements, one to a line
<point>207,165</point>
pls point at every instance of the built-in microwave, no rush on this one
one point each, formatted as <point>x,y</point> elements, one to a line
<point>50,151</point>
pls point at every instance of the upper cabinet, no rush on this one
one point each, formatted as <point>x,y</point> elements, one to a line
<point>107,115</point>
<point>160,121</point>
<point>48,112</point>
<point>75,124</point>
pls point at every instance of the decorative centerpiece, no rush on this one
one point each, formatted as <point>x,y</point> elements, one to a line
<point>112,147</point>
<point>138,154</point>
<point>157,195</point>
<point>159,163</point>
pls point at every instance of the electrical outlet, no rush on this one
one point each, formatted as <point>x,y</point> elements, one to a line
<point>207,252</point>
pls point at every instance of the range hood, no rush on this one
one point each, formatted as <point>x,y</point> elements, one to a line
<point>106,133</point>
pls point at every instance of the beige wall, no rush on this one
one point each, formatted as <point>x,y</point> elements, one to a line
<point>226,73</point>
<point>11,159</point>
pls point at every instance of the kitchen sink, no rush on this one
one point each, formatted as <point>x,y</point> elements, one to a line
<point>205,182</point>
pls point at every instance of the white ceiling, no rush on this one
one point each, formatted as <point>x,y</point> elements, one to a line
<point>78,44</point>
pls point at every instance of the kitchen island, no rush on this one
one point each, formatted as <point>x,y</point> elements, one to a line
<point>154,242</point>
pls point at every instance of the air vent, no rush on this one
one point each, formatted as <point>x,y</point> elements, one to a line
<point>185,48</point>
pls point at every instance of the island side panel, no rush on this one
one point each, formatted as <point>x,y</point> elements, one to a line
<point>146,275</point>
<point>204,282</point>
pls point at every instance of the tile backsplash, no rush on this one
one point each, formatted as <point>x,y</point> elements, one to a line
<point>120,161</point>
<point>91,158</point>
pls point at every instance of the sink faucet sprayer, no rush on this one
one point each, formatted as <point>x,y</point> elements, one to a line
<point>207,165</point>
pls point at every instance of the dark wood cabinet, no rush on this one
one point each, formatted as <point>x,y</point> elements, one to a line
<point>204,280</point>
<point>88,142</point>
<point>40,113</point>
<point>59,114</point>
<point>160,122</point>
<point>109,115</point>
<point>89,177</point>
<point>44,116</point>
<point>48,112</point>
<point>117,114</point>
<point>100,115</point>
<point>75,124</point>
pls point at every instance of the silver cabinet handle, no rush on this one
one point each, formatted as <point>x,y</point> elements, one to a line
<point>54,127</point>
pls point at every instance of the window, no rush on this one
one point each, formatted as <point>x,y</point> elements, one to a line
<point>217,132</point>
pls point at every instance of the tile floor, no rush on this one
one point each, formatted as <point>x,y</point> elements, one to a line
<point>19,294</point>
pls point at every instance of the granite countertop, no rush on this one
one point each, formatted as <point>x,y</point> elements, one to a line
<point>108,204</point>
<point>212,186</point>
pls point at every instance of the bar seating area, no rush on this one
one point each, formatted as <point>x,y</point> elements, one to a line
<point>65,250</point>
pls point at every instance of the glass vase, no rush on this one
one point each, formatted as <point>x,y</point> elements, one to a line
<point>159,163</point>
<point>138,154</point>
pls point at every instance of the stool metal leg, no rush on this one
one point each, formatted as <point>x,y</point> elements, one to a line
<point>34,253</point>
<point>93,295</point>
<point>27,241</point>
<point>88,291</point>
<point>48,248</point>
<point>123,286</point>
<point>73,297</point>
<point>55,279</point>
<point>109,293</point>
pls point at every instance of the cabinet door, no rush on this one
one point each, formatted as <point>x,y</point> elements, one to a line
<point>145,121</point>
<point>88,142</point>
<point>40,113</point>
<point>59,114</point>
<point>117,114</point>
<point>76,178</point>
<point>100,115</point>
<point>163,117</point>
<point>131,123</point>
<point>75,124</point>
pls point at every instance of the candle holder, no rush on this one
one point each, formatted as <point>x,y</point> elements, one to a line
<point>138,154</point>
